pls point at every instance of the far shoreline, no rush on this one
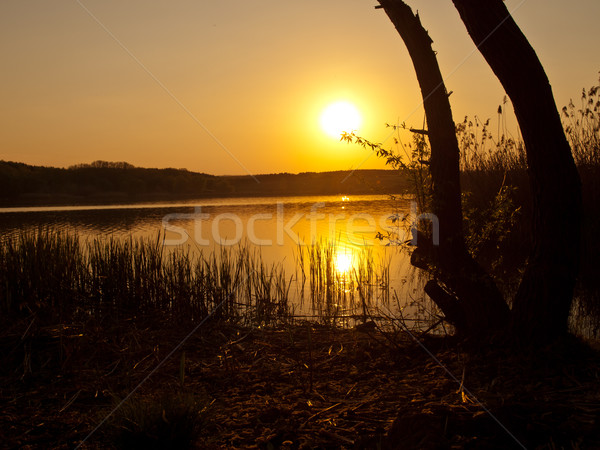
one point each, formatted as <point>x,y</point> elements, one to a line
<point>34,186</point>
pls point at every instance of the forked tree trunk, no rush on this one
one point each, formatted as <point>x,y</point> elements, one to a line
<point>543,301</point>
<point>476,306</point>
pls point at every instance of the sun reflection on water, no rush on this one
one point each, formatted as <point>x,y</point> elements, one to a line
<point>343,263</point>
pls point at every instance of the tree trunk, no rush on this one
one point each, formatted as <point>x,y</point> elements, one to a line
<point>542,304</point>
<point>482,305</point>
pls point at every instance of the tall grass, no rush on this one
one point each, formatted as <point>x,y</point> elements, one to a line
<point>58,277</point>
<point>343,295</point>
<point>497,200</point>
<point>582,126</point>
<point>482,150</point>
<point>42,270</point>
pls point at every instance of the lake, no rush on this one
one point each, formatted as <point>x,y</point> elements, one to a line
<point>282,229</point>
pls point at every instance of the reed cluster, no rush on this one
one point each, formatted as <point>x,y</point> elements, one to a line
<point>497,200</point>
<point>59,277</point>
<point>343,286</point>
<point>582,127</point>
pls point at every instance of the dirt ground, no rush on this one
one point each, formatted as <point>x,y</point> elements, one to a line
<point>296,386</point>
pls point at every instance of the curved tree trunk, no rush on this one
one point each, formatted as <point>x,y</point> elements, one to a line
<point>476,306</point>
<point>542,304</point>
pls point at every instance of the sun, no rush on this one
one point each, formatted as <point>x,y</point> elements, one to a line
<point>339,117</point>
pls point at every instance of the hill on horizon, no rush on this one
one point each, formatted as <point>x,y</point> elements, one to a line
<point>108,182</point>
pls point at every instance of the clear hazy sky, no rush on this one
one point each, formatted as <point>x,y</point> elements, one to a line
<point>232,86</point>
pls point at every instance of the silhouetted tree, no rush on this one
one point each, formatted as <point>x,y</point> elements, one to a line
<point>543,301</point>
<point>462,289</point>
<point>542,304</point>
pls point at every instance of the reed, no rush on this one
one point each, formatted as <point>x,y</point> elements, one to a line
<point>582,126</point>
<point>341,295</point>
<point>57,277</point>
<point>41,269</point>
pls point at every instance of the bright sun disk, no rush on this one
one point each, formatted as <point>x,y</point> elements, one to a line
<point>339,117</point>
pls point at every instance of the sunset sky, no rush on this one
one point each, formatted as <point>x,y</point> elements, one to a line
<point>238,87</point>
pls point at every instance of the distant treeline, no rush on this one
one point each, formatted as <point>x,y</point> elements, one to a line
<point>101,181</point>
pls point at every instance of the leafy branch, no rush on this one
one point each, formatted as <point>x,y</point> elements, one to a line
<point>414,162</point>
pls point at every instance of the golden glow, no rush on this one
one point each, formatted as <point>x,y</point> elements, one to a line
<point>343,263</point>
<point>88,99</point>
<point>339,117</point>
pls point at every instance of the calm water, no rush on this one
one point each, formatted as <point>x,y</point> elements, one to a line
<point>280,228</point>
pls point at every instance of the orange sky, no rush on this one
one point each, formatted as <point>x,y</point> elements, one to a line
<point>237,87</point>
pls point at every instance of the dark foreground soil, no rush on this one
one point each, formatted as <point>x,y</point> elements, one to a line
<point>300,386</point>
